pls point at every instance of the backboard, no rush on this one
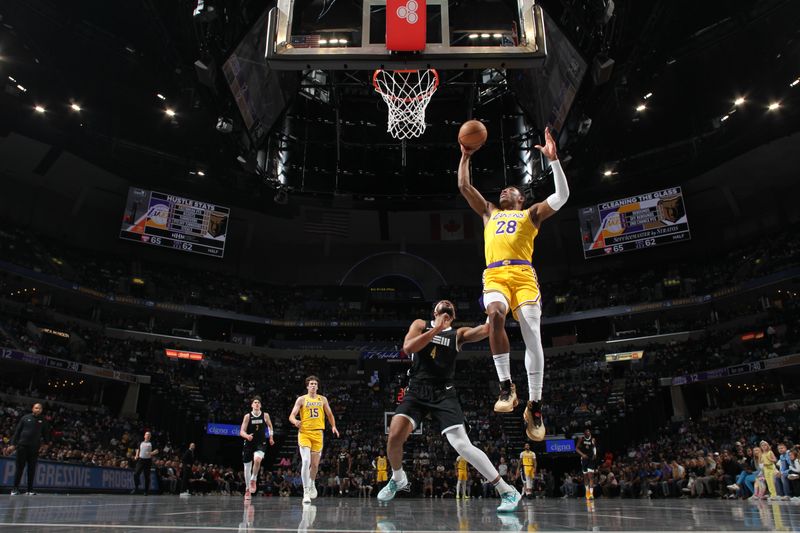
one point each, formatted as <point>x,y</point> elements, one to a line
<point>351,35</point>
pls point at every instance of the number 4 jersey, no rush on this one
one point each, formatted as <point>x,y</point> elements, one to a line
<point>312,415</point>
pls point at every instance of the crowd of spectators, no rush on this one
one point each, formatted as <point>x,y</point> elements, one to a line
<point>728,455</point>
<point>580,387</point>
<point>115,275</point>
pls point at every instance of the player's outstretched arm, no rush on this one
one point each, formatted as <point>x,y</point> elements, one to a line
<point>473,196</point>
<point>476,334</point>
<point>544,210</point>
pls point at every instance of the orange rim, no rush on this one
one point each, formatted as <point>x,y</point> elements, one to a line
<point>422,96</point>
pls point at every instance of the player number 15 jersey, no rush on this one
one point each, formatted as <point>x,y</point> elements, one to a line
<point>312,415</point>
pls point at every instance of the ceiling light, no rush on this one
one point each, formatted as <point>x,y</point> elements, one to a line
<point>201,173</point>
<point>498,35</point>
<point>773,106</point>
<point>648,95</point>
<point>607,173</point>
<point>485,36</point>
<point>161,96</point>
<point>21,88</point>
<point>739,101</point>
<point>342,41</point>
<point>640,108</point>
<point>169,112</point>
<point>794,83</point>
<point>473,35</point>
<point>333,41</point>
<point>323,41</point>
<point>726,117</point>
<point>75,107</point>
<point>39,109</point>
<point>12,79</point>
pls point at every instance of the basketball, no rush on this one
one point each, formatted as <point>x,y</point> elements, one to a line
<point>472,134</point>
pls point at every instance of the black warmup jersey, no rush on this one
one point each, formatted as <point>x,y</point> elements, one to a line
<point>587,446</point>
<point>30,430</point>
<point>257,427</point>
<point>436,362</point>
<point>341,467</point>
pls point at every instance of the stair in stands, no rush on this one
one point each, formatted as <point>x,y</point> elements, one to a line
<point>287,447</point>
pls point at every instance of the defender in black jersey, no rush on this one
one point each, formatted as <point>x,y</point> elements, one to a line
<point>256,430</point>
<point>587,449</point>
<point>431,390</point>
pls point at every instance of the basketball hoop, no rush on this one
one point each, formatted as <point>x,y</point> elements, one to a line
<point>407,94</point>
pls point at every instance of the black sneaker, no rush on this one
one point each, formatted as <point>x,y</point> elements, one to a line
<point>30,493</point>
<point>534,425</point>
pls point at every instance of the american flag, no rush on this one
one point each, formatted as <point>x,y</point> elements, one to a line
<point>305,41</point>
<point>324,222</point>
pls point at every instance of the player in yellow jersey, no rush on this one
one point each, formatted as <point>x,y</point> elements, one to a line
<point>462,478</point>
<point>509,281</point>
<point>312,408</point>
<point>381,475</point>
<point>527,466</point>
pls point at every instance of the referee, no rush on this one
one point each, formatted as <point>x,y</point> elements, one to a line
<point>144,462</point>
<point>26,440</point>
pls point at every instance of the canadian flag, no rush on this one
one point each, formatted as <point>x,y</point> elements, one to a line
<point>452,227</point>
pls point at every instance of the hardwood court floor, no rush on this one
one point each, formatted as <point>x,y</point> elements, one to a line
<point>50,513</point>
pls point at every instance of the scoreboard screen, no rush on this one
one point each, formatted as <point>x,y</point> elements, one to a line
<point>170,221</point>
<point>634,223</point>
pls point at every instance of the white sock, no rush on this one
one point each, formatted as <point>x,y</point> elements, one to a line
<point>248,469</point>
<point>502,487</point>
<point>399,476</point>
<point>529,324</point>
<point>502,362</point>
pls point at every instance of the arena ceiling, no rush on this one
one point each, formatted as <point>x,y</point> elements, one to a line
<point>125,64</point>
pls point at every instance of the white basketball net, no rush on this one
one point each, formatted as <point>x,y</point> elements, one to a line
<point>407,94</point>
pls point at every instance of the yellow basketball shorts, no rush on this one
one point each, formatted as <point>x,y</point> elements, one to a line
<point>462,476</point>
<point>382,476</point>
<point>310,439</point>
<point>529,472</point>
<point>518,283</point>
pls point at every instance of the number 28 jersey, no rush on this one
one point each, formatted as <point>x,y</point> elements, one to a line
<point>312,415</point>
<point>509,234</point>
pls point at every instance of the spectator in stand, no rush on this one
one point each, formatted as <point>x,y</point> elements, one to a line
<point>794,472</point>
<point>768,461</point>
<point>784,461</point>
